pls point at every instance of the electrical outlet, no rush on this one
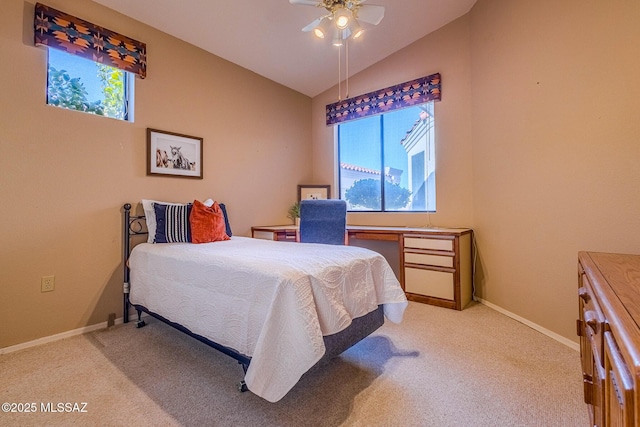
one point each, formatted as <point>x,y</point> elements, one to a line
<point>47,283</point>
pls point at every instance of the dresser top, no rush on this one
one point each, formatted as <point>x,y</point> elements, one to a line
<point>622,273</point>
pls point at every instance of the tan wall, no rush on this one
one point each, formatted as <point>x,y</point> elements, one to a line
<point>64,175</point>
<point>556,149</point>
<point>537,142</point>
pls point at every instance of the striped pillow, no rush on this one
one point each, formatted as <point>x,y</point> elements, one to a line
<point>172,223</point>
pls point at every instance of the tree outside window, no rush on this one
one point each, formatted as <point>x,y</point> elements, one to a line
<point>80,84</point>
<point>387,162</point>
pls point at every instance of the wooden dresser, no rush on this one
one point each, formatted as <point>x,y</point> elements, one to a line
<point>609,331</point>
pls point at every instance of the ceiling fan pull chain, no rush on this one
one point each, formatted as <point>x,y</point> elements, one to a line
<point>346,60</point>
<point>339,76</point>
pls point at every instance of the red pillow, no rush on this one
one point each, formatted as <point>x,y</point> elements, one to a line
<point>207,223</point>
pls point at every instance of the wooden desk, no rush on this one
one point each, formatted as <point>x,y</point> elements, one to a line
<point>435,263</point>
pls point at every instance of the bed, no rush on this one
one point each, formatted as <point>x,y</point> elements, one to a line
<point>279,308</point>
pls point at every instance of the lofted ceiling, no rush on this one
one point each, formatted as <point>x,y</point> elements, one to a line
<point>264,35</point>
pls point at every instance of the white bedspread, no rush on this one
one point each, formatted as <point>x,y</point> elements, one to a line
<point>272,301</point>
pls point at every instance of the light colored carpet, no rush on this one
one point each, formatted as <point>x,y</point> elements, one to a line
<point>439,367</point>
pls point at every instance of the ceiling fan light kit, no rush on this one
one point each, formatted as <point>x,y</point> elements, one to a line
<point>321,29</point>
<point>357,30</point>
<point>342,19</point>
<point>343,15</point>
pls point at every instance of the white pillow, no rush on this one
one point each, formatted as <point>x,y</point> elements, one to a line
<point>150,216</point>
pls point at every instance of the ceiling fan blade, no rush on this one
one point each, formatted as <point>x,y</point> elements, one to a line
<point>313,25</point>
<point>371,13</point>
<point>305,2</point>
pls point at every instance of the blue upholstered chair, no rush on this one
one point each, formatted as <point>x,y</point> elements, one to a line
<point>323,221</point>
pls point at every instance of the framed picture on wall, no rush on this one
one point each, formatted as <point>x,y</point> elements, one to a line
<point>314,192</point>
<point>173,154</point>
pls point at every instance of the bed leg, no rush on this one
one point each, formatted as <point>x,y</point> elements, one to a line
<point>243,386</point>
<point>140,323</point>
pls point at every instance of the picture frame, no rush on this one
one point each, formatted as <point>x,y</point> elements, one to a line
<point>314,192</point>
<point>174,154</point>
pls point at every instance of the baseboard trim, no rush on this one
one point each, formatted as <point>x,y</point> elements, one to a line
<point>133,317</point>
<point>571,344</point>
<point>63,335</point>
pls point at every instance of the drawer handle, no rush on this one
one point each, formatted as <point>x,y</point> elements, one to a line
<point>591,320</point>
<point>584,294</point>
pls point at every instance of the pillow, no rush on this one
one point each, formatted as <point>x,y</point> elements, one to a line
<point>150,216</point>
<point>209,202</point>
<point>172,223</point>
<point>207,223</point>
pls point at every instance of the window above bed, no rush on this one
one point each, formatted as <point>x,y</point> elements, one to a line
<point>89,68</point>
<point>83,85</point>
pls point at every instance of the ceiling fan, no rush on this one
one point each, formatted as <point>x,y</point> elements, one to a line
<point>342,18</point>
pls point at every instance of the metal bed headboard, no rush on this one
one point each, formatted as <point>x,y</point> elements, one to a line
<point>133,225</point>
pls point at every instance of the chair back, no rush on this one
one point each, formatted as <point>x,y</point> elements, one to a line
<point>323,221</point>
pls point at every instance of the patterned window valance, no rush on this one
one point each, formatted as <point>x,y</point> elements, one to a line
<point>406,94</point>
<point>73,35</point>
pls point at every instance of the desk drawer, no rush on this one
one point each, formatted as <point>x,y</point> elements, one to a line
<point>431,283</point>
<point>426,243</point>
<point>265,235</point>
<point>426,259</point>
<point>279,235</point>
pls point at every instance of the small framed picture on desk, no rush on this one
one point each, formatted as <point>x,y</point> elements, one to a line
<point>314,192</point>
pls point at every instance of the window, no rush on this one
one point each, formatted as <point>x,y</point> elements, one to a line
<point>387,162</point>
<point>81,84</point>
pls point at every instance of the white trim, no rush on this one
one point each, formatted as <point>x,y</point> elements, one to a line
<point>571,344</point>
<point>133,317</point>
<point>63,335</point>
